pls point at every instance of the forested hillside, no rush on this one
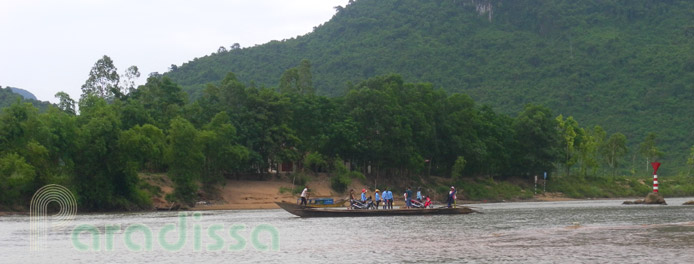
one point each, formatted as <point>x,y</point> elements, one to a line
<point>625,65</point>
<point>384,130</point>
<point>24,93</point>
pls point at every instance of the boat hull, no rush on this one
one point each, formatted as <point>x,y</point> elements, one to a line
<point>313,212</point>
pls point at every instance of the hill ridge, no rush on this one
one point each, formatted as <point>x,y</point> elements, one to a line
<point>625,65</point>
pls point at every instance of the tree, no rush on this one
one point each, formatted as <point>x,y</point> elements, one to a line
<point>60,143</point>
<point>162,99</point>
<point>614,149</point>
<point>185,159</point>
<point>16,175</point>
<point>459,130</point>
<point>105,174</point>
<point>145,145</point>
<point>305,81</point>
<point>65,103</point>
<point>572,136</point>
<point>223,154</point>
<point>342,176</point>
<point>538,138</point>
<point>263,117</point>
<point>315,162</point>
<point>649,150</point>
<point>458,168</point>
<point>130,76</point>
<point>103,80</point>
<point>298,80</point>
<point>589,149</point>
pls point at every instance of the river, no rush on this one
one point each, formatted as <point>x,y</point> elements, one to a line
<point>586,231</point>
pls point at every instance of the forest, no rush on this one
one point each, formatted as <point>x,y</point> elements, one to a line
<point>625,65</point>
<point>383,127</point>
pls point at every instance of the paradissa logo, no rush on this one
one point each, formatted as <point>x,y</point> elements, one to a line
<point>41,223</point>
<point>214,232</point>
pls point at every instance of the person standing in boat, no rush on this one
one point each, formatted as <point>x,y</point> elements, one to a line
<point>378,198</point>
<point>408,197</point>
<point>351,199</point>
<point>451,196</point>
<point>363,195</point>
<point>304,196</point>
<point>390,199</point>
<point>419,194</point>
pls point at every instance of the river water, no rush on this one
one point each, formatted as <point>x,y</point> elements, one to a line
<point>597,231</point>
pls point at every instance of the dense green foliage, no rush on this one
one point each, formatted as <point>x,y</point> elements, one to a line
<point>383,128</point>
<point>627,66</point>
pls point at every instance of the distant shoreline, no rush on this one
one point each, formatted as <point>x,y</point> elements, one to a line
<point>262,195</point>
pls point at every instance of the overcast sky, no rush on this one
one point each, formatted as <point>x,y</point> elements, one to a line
<point>47,46</point>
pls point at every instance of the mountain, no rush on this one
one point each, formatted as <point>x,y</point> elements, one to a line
<point>24,93</point>
<point>10,95</point>
<point>625,65</point>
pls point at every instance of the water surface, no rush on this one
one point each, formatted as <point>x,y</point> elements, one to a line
<point>600,231</point>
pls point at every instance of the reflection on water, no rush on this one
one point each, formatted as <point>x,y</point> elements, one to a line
<point>548,232</point>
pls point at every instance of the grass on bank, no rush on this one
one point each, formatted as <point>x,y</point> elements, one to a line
<point>621,186</point>
<point>487,189</point>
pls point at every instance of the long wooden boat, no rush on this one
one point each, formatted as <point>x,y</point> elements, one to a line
<point>315,212</point>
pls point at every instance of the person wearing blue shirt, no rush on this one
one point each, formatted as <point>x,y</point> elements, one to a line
<point>363,195</point>
<point>387,199</point>
<point>408,197</point>
<point>419,194</point>
<point>378,198</point>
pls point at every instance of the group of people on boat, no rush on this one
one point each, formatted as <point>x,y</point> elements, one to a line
<point>420,201</point>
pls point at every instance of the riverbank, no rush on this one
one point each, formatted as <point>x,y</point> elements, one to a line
<point>247,194</point>
<point>253,195</point>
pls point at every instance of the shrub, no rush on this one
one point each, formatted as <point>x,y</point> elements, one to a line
<point>342,177</point>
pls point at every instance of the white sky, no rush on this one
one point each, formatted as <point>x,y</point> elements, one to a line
<point>47,46</point>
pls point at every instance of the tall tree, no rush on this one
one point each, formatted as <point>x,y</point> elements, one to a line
<point>162,99</point>
<point>65,103</point>
<point>223,154</point>
<point>649,149</point>
<point>103,80</point>
<point>589,149</point>
<point>538,138</point>
<point>572,136</point>
<point>184,158</point>
<point>298,79</point>
<point>130,76</point>
<point>105,175</point>
<point>614,150</point>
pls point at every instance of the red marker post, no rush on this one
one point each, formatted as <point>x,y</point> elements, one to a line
<point>655,176</point>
